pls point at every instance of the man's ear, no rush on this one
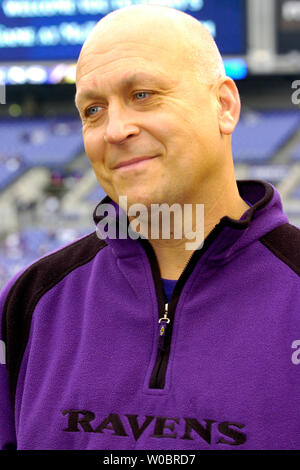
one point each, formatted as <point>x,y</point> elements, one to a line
<point>229,105</point>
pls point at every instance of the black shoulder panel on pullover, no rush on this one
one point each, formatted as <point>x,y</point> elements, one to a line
<point>284,242</point>
<point>36,280</point>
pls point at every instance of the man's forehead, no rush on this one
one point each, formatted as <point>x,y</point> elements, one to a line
<point>135,51</point>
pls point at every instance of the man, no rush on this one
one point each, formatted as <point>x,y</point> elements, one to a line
<point>102,351</point>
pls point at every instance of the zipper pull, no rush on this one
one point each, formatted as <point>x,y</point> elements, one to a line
<point>162,327</point>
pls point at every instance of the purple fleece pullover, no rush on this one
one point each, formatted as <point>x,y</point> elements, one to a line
<point>84,369</point>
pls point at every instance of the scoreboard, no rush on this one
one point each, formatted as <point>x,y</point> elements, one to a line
<point>288,26</point>
<point>54,30</point>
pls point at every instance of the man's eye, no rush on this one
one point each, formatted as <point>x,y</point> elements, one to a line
<point>92,110</point>
<point>142,93</point>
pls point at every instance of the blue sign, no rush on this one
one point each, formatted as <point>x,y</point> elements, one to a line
<point>41,30</point>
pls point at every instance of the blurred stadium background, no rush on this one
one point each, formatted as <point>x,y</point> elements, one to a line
<point>47,188</point>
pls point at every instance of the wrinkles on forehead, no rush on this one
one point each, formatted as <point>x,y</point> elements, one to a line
<point>114,52</point>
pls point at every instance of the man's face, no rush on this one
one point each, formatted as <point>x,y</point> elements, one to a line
<point>136,92</point>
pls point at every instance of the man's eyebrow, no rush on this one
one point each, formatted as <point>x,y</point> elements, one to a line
<point>125,83</point>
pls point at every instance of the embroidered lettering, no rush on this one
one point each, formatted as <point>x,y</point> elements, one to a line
<point>163,427</point>
<point>226,429</point>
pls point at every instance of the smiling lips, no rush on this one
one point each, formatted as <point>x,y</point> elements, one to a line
<point>133,161</point>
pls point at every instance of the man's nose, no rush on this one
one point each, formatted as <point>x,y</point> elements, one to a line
<point>120,125</point>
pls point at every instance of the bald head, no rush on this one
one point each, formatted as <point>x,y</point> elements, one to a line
<point>171,29</point>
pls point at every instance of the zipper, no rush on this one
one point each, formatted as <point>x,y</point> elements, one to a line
<point>165,323</point>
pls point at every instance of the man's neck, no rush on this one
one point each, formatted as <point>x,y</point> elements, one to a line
<point>173,256</point>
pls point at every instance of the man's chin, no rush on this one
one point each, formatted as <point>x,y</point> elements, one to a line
<point>127,200</point>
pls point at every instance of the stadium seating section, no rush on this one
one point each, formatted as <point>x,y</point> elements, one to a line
<point>295,154</point>
<point>258,136</point>
<point>26,143</point>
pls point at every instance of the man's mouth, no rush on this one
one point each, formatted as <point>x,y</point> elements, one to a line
<point>134,162</point>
